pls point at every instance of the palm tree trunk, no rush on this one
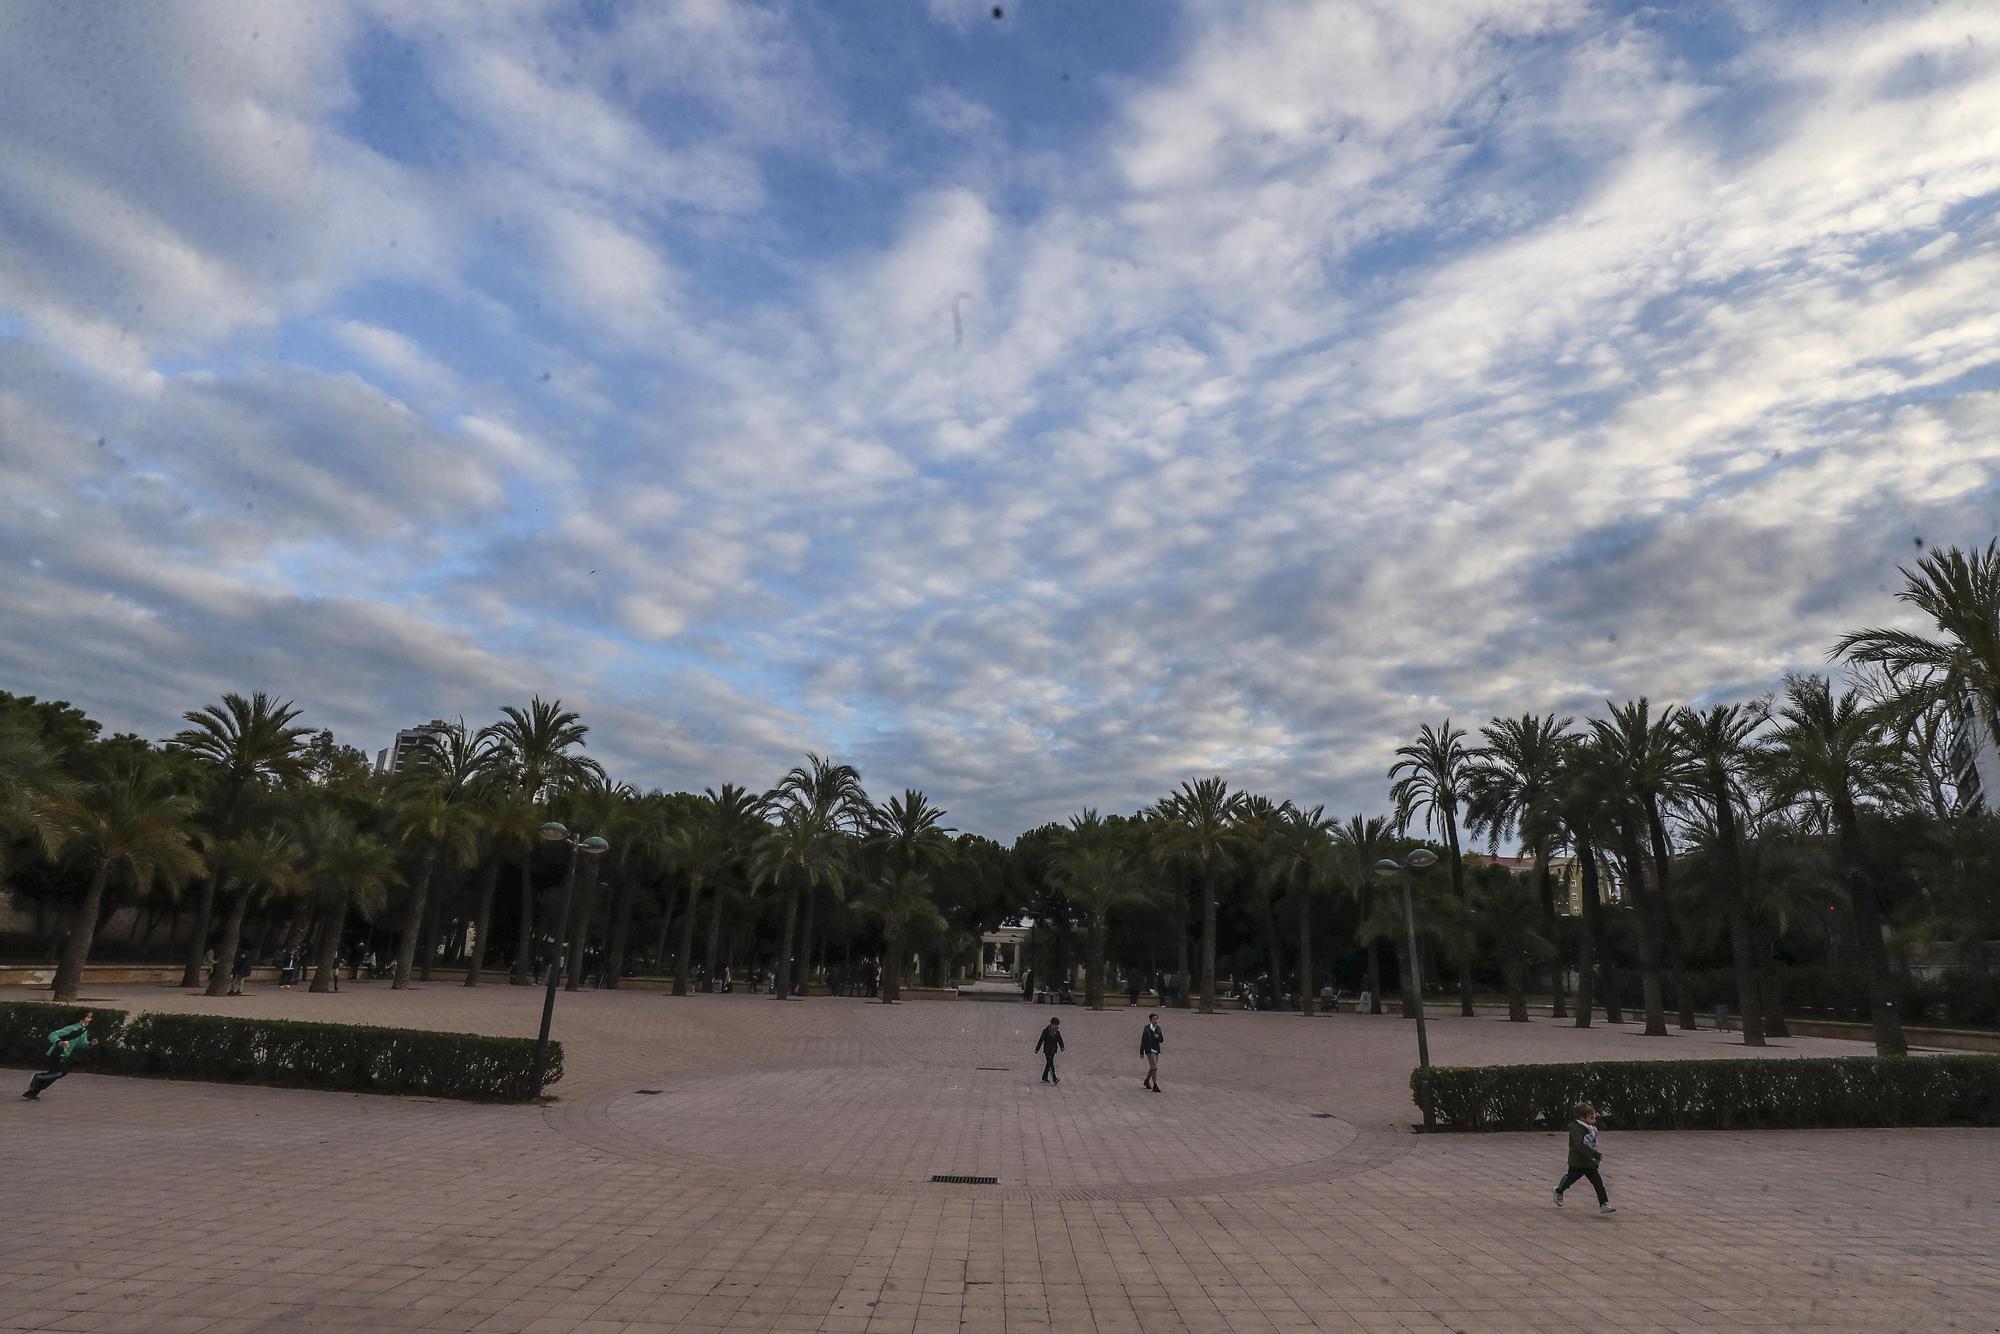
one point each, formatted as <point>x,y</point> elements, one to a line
<point>1207,940</point>
<point>1374,977</point>
<point>1095,986</point>
<point>668,899</point>
<point>686,959</point>
<point>580,930</point>
<point>714,956</point>
<point>1458,888</point>
<point>1592,932</point>
<point>1663,904</point>
<point>806,942</point>
<point>489,879</point>
<point>1889,1040</point>
<point>1516,968</point>
<point>326,969</point>
<point>204,912</point>
<point>1274,953</point>
<point>413,921</point>
<point>1185,971</point>
<point>1768,999</point>
<point>232,936</point>
<point>1305,953</point>
<point>76,950</point>
<point>1649,943</point>
<point>621,930</point>
<point>524,952</point>
<point>1558,1005</point>
<point>1406,975</point>
<point>427,946</point>
<point>892,965</point>
<point>783,972</point>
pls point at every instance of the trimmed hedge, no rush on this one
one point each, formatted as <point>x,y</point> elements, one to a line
<point>352,1058</point>
<point>1723,1095</point>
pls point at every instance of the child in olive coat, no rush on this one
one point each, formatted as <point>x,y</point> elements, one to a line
<point>1584,1157</point>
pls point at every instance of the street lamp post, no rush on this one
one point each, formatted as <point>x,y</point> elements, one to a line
<point>1420,859</point>
<point>556,832</point>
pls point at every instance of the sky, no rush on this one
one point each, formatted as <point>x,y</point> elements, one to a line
<point>1036,405</point>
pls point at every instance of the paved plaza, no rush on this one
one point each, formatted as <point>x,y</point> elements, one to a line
<point>733,1162</point>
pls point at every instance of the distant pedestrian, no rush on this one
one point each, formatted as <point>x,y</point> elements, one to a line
<point>1049,1043</point>
<point>288,967</point>
<point>1132,991</point>
<point>1151,1038</point>
<point>240,973</point>
<point>1584,1157</point>
<point>64,1045</point>
<point>208,963</point>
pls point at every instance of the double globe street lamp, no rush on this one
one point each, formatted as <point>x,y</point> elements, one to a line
<point>1419,860</point>
<point>557,832</point>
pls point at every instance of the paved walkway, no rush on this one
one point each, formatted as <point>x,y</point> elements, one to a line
<point>732,1162</point>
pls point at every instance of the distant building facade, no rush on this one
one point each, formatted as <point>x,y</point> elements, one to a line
<point>1975,759</point>
<point>409,743</point>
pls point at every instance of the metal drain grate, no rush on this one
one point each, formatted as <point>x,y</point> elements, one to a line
<point>950,1180</point>
<point>650,1090</point>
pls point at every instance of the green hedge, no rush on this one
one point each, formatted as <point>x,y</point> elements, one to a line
<point>1723,1095</point>
<point>355,1058</point>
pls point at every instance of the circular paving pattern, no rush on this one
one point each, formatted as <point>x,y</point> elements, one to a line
<point>1093,1136</point>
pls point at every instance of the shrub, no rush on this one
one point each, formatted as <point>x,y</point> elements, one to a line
<point>1723,1095</point>
<point>353,1058</point>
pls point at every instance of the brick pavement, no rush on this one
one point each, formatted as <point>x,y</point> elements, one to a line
<point>777,1182</point>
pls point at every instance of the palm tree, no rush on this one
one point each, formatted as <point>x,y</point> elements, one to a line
<point>260,864</point>
<point>1508,794</point>
<point>1430,776</point>
<point>510,824</point>
<point>1362,842</point>
<point>131,817</point>
<point>31,776</point>
<point>246,743</point>
<point>1198,827</point>
<point>833,792</point>
<point>1960,667</point>
<point>446,830</point>
<point>347,871</point>
<point>702,849</point>
<point>1581,803</point>
<point>1301,857</point>
<point>806,849</point>
<point>1828,757</point>
<point>902,900</point>
<point>1505,909</point>
<point>909,833</point>
<point>1094,868</point>
<point>1254,826</point>
<point>1643,752</point>
<point>1716,742</point>
<point>741,812</point>
<point>537,744</point>
<point>609,810</point>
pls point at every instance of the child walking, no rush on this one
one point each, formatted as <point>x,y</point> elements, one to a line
<point>1151,1038</point>
<point>1049,1043</point>
<point>1584,1157</point>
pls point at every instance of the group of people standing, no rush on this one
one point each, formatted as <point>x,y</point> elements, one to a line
<point>1151,1039</point>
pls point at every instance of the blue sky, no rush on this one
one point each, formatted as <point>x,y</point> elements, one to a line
<point>1036,410</point>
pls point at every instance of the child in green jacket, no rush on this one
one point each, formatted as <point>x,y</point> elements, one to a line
<point>64,1044</point>
<point>1584,1157</point>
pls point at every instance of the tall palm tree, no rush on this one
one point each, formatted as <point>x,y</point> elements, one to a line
<point>1508,794</point>
<point>1198,826</point>
<point>609,810</point>
<point>538,745</point>
<point>1581,801</point>
<point>909,833</point>
<point>1094,867</point>
<point>806,849</point>
<point>742,813</point>
<point>1960,666</point>
<point>833,792</point>
<point>246,744</point>
<point>1505,910</point>
<point>510,824</point>
<point>902,900</point>
<point>1254,827</point>
<point>1430,777</point>
<point>1362,842</point>
<point>702,848</point>
<point>262,864</point>
<point>1828,757</point>
<point>1716,742</point>
<point>347,871</point>
<point>31,777</point>
<point>130,818</point>
<point>433,807</point>
<point>1643,750</point>
<point>1300,856</point>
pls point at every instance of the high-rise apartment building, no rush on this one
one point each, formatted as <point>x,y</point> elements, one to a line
<point>410,741</point>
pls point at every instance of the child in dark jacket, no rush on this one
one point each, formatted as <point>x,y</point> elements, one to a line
<point>1584,1157</point>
